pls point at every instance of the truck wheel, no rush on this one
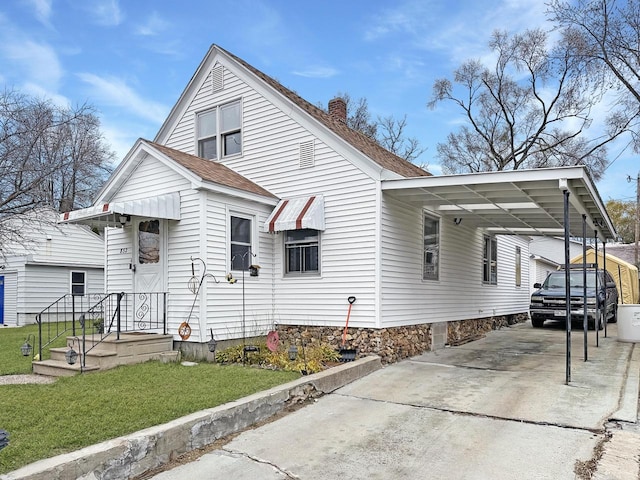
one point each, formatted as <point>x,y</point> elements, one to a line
<point>537,322</point>
<point>592,324</point>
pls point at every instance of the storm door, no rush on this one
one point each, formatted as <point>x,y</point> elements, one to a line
<point>149,272</point>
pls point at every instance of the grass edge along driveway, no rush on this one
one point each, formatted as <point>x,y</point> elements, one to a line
<point>75,412</point>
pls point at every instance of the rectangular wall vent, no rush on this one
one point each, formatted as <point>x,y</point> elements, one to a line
<point>217,77</point>
<point>307,154</point>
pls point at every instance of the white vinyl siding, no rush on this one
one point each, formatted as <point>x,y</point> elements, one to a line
<point>40,270</point>
<point>10,298</point>
<point>407,300</point>
<point>271,158</point>
<point>42,285</point>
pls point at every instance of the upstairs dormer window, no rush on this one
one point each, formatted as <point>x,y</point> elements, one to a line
<point>219,131</point>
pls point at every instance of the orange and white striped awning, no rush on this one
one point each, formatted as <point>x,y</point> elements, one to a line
<point>297,213</point>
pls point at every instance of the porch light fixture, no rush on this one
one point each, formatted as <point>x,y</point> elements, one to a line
<point>72,356</point>
<point>124,219</point>
<point>26,347</point>
<point>293,352</point>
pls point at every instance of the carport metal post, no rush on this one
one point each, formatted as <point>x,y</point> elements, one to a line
<point>585,317</point>
<point>604,275</point>
<point>598,318</point>
<point>567,286</point>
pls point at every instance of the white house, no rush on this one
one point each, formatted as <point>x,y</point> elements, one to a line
<point>245,173</point>
<point>54,261</point>
<point>546,255</point>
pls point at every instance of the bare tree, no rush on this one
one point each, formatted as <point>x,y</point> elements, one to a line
<point>530,110</point>
<point>604,36</point>
<point>386,131</point>
<point>49,157</point>
<point>391,136</point>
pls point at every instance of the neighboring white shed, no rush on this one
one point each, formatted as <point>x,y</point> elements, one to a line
<point>54,261</point>
<point>546,255</point>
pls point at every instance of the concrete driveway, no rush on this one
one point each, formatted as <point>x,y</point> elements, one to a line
<point>496,408</point>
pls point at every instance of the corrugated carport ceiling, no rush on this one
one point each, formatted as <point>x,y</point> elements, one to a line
<point>521,202</point>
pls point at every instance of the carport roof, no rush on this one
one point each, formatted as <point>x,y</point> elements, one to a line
<point>517,202</point>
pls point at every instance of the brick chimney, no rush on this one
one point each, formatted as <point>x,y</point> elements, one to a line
<point>338,109</point>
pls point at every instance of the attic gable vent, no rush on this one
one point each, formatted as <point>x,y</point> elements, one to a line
<point>217,77</point>
<point>307,154</point>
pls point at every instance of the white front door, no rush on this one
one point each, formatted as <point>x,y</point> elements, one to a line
<point>149,282</point>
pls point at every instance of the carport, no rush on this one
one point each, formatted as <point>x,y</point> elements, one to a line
<point>546,201</point>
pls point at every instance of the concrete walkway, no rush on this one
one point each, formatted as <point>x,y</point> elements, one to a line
<point>497,408</point>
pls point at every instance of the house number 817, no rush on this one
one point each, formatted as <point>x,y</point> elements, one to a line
<point>124,250</point>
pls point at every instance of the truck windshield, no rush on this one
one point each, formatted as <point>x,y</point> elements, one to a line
<point>556,280</point>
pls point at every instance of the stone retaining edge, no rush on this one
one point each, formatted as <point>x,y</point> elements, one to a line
<point>132,455</point>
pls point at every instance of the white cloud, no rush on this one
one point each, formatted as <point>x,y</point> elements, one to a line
<point>105,12</point>
<point>115,92</point>
<point>154,25</point>
<point>317,72</point>
<point>38,91</point>
<point>42,10</point>
<point>37,63</point>
<point>460,31</point>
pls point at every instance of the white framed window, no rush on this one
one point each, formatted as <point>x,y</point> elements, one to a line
<point>431,244</point>
<point>302,252</point>
<point>78,283</point>
<point>518,267</point>
<point>490,260</point>
<point>240,241</point>
<point>219,131</point>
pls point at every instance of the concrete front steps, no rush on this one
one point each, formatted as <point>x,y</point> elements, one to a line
<point>131,348</point>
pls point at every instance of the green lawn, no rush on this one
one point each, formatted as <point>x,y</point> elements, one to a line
<point>12,362</point>
<point>74,412</point>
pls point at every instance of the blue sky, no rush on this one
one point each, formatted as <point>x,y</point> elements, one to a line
<point>131,59</point>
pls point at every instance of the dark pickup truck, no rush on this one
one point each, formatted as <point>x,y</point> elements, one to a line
<point>548,302</point>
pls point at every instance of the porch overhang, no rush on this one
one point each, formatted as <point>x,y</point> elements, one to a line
<point>112,214</point>
<point>297,213</point>
<point>518,202</point>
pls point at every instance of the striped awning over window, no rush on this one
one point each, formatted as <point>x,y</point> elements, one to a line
<point>297,213</point>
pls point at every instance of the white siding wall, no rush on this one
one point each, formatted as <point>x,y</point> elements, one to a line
<point>63,244</point>
<point>120,254</point>
<point>552,248</point>
<point>10,298</point>
<point>459,293</point>
<point>183,242</point>
<point>270,158</point>
<point>41,285</point>
<point>539,269</point>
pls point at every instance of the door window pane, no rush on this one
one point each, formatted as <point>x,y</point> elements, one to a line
<point>149,241</point>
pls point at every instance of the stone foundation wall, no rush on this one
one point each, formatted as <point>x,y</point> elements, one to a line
<point>464,331</point>
<point>396,343</point>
